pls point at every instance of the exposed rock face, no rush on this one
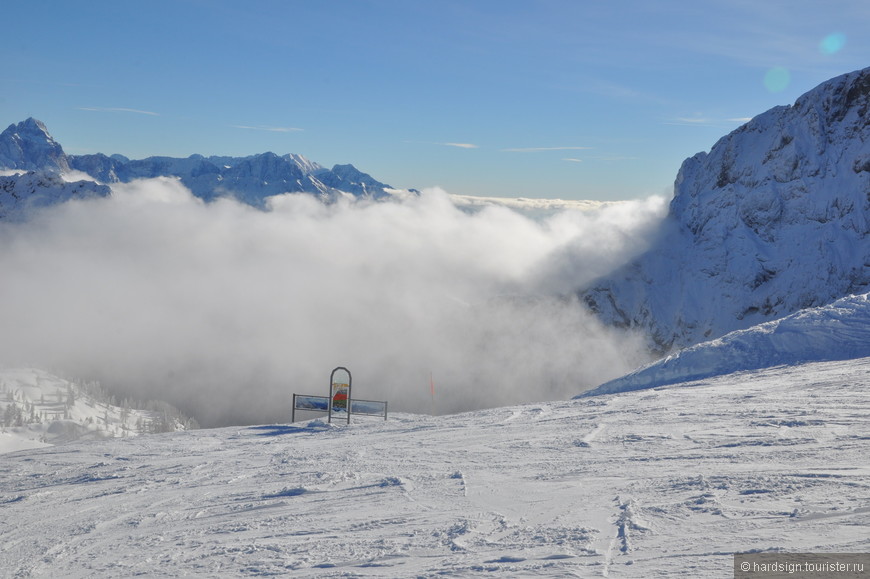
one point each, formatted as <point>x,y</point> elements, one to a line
<point>249,179</point>
<point>27,146</point>
<point>774,219</point>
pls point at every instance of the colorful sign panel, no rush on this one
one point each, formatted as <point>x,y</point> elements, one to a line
<point>339,396</point>
<point>339,399</point>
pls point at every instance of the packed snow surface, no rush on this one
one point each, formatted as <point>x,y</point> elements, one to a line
<point>654,483</point>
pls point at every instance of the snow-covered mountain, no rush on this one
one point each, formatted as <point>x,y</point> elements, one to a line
<point>752,441</point>
<point>663,483</point>
<point>40,409</point>
<point>20,193</point>
<point>28,146</point>
<point>249,179</point>
<point>774,219</point>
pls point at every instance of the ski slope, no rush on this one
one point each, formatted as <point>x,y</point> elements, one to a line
<point>651,483</point>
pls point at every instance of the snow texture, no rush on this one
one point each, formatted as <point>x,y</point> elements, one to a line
<point>662,483</point>
<point>839,331</point>
<point>774,219</point>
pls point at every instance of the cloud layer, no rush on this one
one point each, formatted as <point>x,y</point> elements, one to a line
<point>225,310</point>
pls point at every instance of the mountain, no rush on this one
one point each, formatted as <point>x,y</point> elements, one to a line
<point>20,194</point>
<point>774,219</point>
<point>249,179</point>
<point>661,483</point>
<point>40,409</point>
<point>28,146</point>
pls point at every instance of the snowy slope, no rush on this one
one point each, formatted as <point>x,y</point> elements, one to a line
<point>40,409</point>
<point>838,331</point>
<point>659,483</point>
<point>774,219</point>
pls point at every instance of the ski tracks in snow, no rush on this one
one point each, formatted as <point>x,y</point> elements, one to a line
<point>650,483</point>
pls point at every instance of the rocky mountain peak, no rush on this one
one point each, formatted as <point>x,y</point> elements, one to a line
<point>775,218</point>
<point>28,146</point>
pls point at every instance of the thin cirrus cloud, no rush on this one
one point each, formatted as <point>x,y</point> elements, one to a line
<point>541,149</point>
<point>450,144</point>
<point>702,121</point>
<point>268,128</point>
<point>607,158</point>
<point>119,110</point>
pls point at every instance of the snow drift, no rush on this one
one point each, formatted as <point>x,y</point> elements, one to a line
<point>839,331</point>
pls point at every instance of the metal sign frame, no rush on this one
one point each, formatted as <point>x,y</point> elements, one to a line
<point>339,391</point>
<point>346,404</point>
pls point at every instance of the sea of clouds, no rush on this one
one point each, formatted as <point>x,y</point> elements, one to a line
<point>226,311</point>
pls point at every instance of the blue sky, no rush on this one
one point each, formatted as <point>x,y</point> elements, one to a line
<point>552,98</point>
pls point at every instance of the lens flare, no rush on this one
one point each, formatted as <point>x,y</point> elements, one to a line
<point>832,43</point>
<point>777,79</point>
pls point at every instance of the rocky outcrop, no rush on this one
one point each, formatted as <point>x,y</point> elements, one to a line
<point>774,219</point>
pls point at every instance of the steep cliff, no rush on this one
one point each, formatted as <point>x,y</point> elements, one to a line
<point>774,219</point>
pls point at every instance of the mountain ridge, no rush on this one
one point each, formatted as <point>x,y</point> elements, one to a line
<point>22,193</point>
<point>28,146</point>
<point>772,220</point>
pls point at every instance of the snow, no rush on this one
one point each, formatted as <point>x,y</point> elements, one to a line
<point>752,441</point>
<point>19,439</point>
<point>20,194</point>
<point>774,219</point>
<point>28,146</point>
<point>39,409</point>
<point>655,483</point>
<point>837,331</point>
